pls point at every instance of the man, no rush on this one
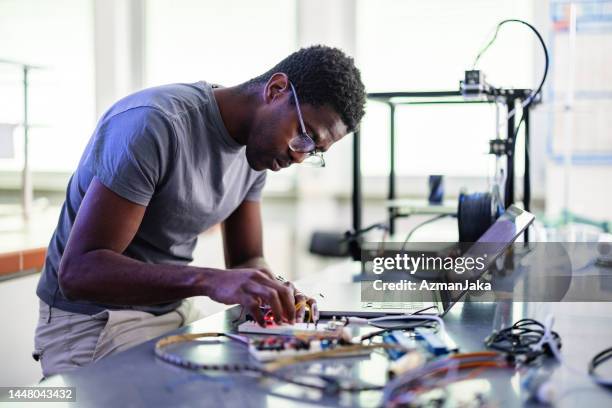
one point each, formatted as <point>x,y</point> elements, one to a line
<point>163,165</point>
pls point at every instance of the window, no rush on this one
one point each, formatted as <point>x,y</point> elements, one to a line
<point>411,45</point>
<point>219,41</point>
<point>59,36</point>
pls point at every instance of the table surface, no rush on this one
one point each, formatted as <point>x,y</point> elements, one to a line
<point>136,378</point>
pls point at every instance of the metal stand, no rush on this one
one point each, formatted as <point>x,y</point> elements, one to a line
<point>26,177</point>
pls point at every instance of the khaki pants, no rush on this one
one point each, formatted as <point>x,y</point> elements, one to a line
<point>70,340</point>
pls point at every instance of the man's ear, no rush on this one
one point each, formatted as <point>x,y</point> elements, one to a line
<point>276,87</point>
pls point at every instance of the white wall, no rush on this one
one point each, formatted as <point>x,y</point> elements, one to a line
<point>18,316</point>
<point>579,136</point>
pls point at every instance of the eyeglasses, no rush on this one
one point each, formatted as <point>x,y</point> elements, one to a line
<point>303,143</point>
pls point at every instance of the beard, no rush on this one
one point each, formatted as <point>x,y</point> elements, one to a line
<point>260,148</point>
<point>254,159</point>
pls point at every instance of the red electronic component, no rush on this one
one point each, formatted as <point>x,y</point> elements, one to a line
<point>269,318</point>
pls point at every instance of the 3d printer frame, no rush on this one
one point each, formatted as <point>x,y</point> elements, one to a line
<point>510,97</point>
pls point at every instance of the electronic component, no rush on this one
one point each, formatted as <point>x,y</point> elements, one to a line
<point>538,386</point>
<point>499,147</point>
<point>408,362</point>
<point>436,343</point>
<point>397,337</point>
<point>275,347</point>
<point>330,327</point>
<point>330,385</point>
<point>393,354</point>
<point>474,84</point>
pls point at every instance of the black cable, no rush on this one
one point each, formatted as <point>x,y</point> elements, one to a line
<point>413,325</point>
<point>430,220</point>
<point>538,90</point>
<point>598,360</point>
<point>404,326</point>
<point>519,340</point>
<point>533,95</point>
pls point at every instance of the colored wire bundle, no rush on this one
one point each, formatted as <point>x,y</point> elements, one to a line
<point>524,339</point>
<point>408,386</point>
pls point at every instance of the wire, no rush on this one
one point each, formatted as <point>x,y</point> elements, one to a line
<point>538,90</point>
<point>270,369</point>
<point>415,380</point>
<point>548,338</point>
<point>596,361</point>
<point>307,308</point>
<point>437,217</point>
<point>376,322</point>
<point>532,96</point>
<point>407,326</point>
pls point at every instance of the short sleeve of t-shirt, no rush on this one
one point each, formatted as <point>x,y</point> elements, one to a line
<point>254,193</point>
<point>131,152</point>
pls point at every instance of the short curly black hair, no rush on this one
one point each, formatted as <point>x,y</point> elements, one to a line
<point>324,75</point>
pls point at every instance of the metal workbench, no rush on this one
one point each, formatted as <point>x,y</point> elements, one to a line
<point>136,378</point>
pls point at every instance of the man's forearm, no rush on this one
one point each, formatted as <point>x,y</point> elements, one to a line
<point>258,262</point>
<point>108,277</point>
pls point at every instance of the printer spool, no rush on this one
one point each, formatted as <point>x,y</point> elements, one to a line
<point>475,214</point>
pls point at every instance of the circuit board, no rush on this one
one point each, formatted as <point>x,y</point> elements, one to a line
<point>283,329</point>
<point>275,347</point>
<point>290,340</point>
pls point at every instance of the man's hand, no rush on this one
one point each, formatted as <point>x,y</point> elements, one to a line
<point>301,300</point>
<point>252,288</point>
<point>243,243</point>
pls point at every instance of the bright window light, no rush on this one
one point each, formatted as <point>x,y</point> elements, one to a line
<point>59,35</point>
<point>412,45</point>
<point>221,41</point>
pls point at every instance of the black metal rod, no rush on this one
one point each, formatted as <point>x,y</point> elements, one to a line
<point>527,175</point>
<point>434,102</point>
<point>391,195</point>
<point>509,190</point>
<point>357,199</point>
<point>387,96</point>
<point>426,94</point>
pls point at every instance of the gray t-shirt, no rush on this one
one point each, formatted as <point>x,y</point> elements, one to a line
<point>165,148</point>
